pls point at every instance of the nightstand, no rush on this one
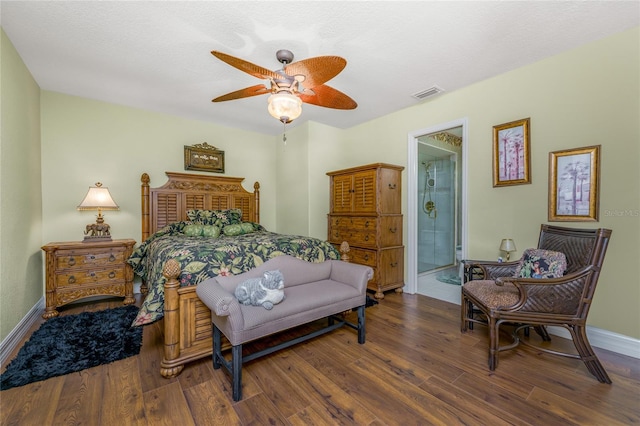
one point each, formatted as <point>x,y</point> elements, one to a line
<point>77,269</point>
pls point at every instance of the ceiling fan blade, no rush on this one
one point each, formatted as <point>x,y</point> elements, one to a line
<point>316,71</point>
<point>256,90</point>
<point>326,96</point>
<point>248,67</point>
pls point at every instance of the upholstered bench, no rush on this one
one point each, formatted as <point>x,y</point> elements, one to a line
<point>312,291</point>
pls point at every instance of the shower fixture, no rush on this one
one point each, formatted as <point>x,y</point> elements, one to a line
<point>429,207</point>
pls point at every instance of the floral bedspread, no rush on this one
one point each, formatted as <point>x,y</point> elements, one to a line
<point>201,258</point>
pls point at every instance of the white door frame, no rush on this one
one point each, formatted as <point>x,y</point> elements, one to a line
<point>412,196</point>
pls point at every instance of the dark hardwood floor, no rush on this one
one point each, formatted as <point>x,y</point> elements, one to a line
<point>415,368</point>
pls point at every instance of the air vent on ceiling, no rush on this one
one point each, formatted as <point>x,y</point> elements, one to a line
<point>424,94</point>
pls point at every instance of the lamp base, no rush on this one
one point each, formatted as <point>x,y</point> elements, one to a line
<point>98,231</point>
<point>90,239</point>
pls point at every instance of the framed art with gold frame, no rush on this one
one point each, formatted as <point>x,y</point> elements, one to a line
<point>574,184</point>
<point>203,157</point>
<point>511,153</point>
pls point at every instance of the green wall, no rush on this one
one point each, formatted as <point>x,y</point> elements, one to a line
<point>21,277</point>
<point>586,96</point>
<point>86,141</point>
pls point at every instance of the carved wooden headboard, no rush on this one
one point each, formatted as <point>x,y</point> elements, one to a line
<point>183,191</point>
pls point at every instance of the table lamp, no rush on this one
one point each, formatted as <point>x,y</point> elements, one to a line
<point>507,245</point>
<point>98,198</point>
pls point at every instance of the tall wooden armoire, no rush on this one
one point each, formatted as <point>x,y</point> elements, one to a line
<point>365,211</point>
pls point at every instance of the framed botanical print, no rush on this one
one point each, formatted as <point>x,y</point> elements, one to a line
<point>511,153</point>
<point>203,157</point>
<point>574,184</point>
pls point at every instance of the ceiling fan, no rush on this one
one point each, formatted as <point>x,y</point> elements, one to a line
<point>295,83</point>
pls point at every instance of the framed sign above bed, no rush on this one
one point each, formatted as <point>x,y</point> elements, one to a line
<point>203,157</point>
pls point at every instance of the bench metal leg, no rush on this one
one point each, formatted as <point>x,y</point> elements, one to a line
<point>361,324</point>
<point>217,347</point>
<point>236,371</point>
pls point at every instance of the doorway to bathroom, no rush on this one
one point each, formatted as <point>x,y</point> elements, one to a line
<point>436,210</point>
<point>437,200</point>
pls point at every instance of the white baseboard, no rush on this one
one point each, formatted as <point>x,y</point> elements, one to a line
<point>16,336</point>
<point>604,339</point>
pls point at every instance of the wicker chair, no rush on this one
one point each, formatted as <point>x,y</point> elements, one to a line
<point>492,295</point>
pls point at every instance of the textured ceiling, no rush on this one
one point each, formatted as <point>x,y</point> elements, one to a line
<point>155,55</point>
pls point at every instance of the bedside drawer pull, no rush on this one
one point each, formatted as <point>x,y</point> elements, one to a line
<point>366,238</point>
<point>366,257</point>
<point>93,274</point>
<point>71,280</point>
<point>112,258</point>
<point>112,274</point>
<point>393,230</point>
<point>392,186</point>
<point>366,224</point>
<point>72,261</point>
<point>92,257</point>
<point>394,264</point>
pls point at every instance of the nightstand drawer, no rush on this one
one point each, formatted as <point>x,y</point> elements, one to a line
<point>66,259</point>
<point>89,276</point>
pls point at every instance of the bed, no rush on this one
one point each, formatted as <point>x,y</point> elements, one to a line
<point>171,263</point>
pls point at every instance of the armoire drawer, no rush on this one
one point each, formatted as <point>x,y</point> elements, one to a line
<point>363,256</point>
<point>363,231</point>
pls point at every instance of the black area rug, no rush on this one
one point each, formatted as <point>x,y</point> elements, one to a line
<point>72,343</point>
<point>370,302</point>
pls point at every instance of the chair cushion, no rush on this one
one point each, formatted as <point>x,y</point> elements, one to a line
<point>540,263</point>
<point>492,295</point>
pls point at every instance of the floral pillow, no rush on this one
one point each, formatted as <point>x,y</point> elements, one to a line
<point>198,230</point>
<point>210,231</point>
<point>238,229</point>
<point>193,230</point>
<point>219,218</point>
<point>540,263</point>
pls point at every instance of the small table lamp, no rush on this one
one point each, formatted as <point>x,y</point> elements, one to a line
<point>98,198</point>
<point>507,245</point>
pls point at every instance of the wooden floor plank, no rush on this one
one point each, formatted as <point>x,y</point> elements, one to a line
<point>503,399</point>
<point>32,404</point>
<point>81,397</point>
<point>166,406</point>
<point>209,405</point>
<point>576,413</point>
<point>477,408</point>
<point>123,385</point>
<point>277,385</point>
<point>325,395</point>
<point>258,410</point>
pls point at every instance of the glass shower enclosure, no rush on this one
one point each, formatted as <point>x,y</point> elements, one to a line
<point>437,208</point>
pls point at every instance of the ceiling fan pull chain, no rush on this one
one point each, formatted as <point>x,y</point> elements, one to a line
<point>284,132</point>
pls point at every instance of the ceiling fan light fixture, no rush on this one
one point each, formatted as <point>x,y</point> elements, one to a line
<point>284,107</point>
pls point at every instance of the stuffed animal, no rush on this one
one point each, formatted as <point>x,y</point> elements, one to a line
<point>265,291</point>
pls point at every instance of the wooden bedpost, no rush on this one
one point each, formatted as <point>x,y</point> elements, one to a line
<point>171,272</point>
<point>145,220</point>
<point>256,192</point>
<point>145,206</point>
